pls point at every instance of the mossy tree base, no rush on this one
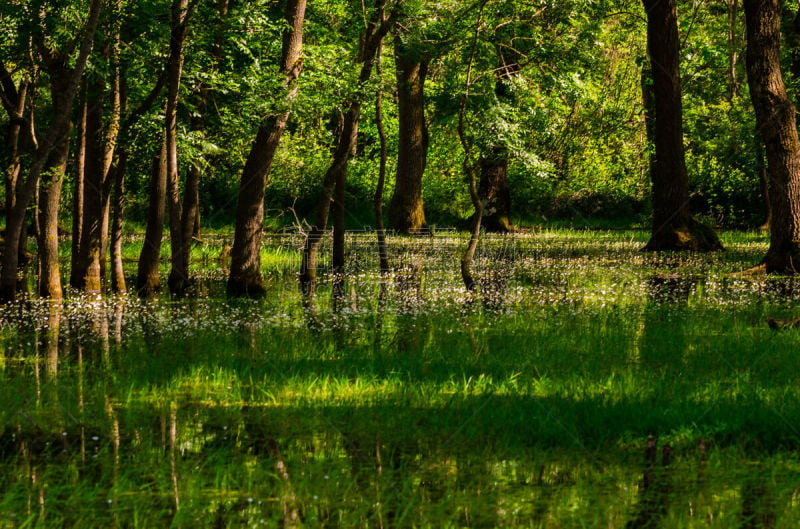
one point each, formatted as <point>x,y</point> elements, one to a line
<point>691,236</point>
<point>179,285</point>
<point>782,262</point>
<point>498,224</point>
<point>246,286</point>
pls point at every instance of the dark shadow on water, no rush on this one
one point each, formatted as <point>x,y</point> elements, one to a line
<point>654,489</point>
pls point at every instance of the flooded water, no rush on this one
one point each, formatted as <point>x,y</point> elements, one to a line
<point>586,385</point>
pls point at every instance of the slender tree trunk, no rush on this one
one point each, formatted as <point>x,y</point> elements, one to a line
<point>148,281</point>
<point>189,212</point>
<point>86,274</point>
<point>383,254</point>
<point>101,141</point>
<point>49,198</point>
<point>763,182</point>
<point>118,172</point>
<point>105,223</point>
<point>117,271</point>
<point>493,184</point>
<point>14,101</point>
<point>494,192</point>
<point>673,226</point>
<point>378,27</point>
<point>59,128</point>
<point>178,280</point>
<point>245,276</point>
<point>78,191</point>
<point>733,48</point>
<point>775,117</point>
<point>406,213</point>
<point>469,167</point>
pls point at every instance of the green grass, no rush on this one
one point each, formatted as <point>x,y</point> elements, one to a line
<point>530,406</point>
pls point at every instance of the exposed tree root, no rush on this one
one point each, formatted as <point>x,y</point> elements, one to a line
<point>692,236</point>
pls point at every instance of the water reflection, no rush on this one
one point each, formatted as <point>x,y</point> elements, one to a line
<point>663,341</point>
<point>390,404</point>
<point>241,466</point>
<point>654,489</point>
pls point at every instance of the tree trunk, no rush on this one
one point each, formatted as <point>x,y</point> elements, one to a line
<point>50,195</point>
<point>378,27</point>
<point>78,191</point>
<point>147,278</point>
<point>674,228</point>
<point>493,185</point>
<point>86,274</point>
<point>14,101</point>
<point>118,174</point>
<point>383,254</point>
<point>245,276</point>
<point>775,116</point>
<point>59,128</point>
<point>178,280</point>
<point>494,192</point>
<point>101,141</point>
<point>763,183</point>
<point>733,48</point>
<point>406,213</point>
<point>117,271</point>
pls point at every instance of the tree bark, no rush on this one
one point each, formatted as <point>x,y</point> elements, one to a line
<point>118,173</point>
<point>775,117</point>
<point>86,275</point>
<point>406,213</point>
<point>78,189</point>
<point>117,271</point>
<point>494,192</point>
<point>732,7</point>
<point>245,275</point>
<point>383,254</point>
<point>148,281</point>
<point>50,194</point>
<point>178,280</point>
<point>58,129</point>
<point>378,26</point>
<point>15,101</point>
<point>674,228</point>
<point>49,197</point>
<point>101,142</point>
<point>493,184</point>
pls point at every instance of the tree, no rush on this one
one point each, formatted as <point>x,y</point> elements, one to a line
<point>333,185</point>
<point>775,116</point>
<point>148,281</point>
<point>100,141</point>
<point>180,216</point>
<point>14,99</point>
<point>67,82</point>
<point>245,275</point>
<point>406,213</point>
<point>493,184</point>
<point>674,228</point>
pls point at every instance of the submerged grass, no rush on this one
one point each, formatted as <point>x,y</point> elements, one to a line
<point>408,404</point>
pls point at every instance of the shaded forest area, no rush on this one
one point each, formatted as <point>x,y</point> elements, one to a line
<point>490,114</point>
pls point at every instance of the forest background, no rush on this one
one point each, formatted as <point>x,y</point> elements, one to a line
<point>559,91</point>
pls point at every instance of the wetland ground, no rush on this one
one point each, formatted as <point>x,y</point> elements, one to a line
<point>588,384</point>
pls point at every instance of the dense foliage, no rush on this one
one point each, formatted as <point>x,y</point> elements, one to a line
<point>574,121</point>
